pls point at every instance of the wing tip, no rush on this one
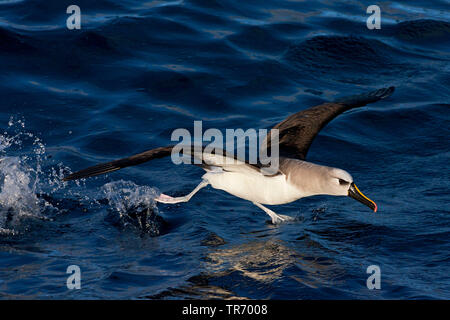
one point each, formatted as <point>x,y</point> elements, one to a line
<point>119,164</point>
<point>383,92</point>
<point>90,172</point>
<point>366,98</point>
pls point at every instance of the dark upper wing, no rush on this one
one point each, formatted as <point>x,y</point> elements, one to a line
<point>121,163</point>
<point>297,132</point>
<point>216,157</point>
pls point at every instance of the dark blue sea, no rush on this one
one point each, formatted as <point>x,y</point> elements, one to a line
<point>138,70</point>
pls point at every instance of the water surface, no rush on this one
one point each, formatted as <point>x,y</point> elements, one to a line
<point>137,70</point>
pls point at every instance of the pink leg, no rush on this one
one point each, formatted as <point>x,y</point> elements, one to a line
<point>164,198</point>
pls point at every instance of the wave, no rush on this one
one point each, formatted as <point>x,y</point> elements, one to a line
<point>423,31</point>
<point>13,42</point>
<point>333,55</point>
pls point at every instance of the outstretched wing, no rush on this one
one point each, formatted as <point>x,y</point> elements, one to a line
<point>296,135</point>
<point>121,163</point>
<point>297,132</point>
<point>215,158</point>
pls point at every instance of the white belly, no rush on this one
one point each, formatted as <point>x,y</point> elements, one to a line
<point>254,187</point>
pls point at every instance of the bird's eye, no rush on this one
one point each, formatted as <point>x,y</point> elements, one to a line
<point>342,182</point>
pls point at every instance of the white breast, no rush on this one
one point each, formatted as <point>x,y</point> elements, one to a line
<point>271,190</point>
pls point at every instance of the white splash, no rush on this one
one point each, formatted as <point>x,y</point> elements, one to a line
<point>21,176</point>
<point>134,206</point>
<point>27,179</point>
<point>124,196</point>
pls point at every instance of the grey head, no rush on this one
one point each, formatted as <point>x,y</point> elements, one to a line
<point>313,179</point>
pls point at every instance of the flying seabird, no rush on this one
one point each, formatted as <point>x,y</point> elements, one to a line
<point>295,177</point>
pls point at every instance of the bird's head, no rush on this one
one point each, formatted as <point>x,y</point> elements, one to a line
<point>340,183</point>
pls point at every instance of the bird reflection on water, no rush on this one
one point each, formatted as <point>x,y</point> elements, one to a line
<point>256,267</point>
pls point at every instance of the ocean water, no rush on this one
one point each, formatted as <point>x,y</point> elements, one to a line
<point>137,70</point>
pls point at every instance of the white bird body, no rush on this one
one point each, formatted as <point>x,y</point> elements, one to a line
<point>255,187</point>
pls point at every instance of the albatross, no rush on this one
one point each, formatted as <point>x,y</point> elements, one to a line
<point>295,177</point>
